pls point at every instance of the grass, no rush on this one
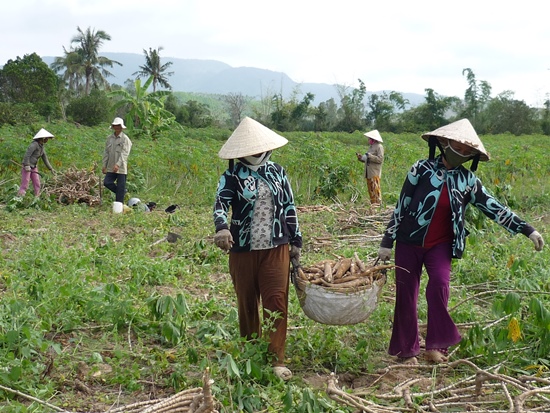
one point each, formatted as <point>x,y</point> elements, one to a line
<point>91,296</point>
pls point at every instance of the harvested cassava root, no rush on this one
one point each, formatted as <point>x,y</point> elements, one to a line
<point>344,275</point>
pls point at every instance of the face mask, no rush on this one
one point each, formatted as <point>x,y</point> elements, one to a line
<point>255,162</point>
<point>454,158</point>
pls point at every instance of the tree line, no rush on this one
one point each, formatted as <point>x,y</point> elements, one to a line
<point>75,88</point>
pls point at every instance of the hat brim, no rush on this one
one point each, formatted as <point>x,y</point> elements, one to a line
<point>250,138</point>
<point>463,132</point>
<point>374,134</point>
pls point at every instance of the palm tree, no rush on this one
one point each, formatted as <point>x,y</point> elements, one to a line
<point>152,67</point>
<point>74,74</point>
<point>88,45</point>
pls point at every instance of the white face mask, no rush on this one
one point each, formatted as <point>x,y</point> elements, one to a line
<point>255,162</point>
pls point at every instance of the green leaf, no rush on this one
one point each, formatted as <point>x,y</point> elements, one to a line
<point>511,303</point>
<point>232,368</point>
<point>15,373</point>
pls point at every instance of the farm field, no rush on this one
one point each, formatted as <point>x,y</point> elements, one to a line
<point>98,310</point>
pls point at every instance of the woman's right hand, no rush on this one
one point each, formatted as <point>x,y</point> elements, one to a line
<point>223,239</point>
<point>384,254</point>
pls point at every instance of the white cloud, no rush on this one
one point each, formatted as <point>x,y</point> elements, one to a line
<point>400,45</point>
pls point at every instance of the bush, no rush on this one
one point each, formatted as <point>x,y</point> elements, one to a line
<point>18,113</point>
<point>90,110</point>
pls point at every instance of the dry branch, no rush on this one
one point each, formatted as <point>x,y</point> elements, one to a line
<point>74,186</point>
<point>486,391</point>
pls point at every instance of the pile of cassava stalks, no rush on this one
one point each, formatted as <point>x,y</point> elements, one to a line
<point>343,275</point>
<point>74,186</point>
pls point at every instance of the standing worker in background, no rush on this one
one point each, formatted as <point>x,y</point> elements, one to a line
<point>29,170</point>
<point>262,235</point>
<point>428,228</point>
<point>115,160</point>
<point>373,160</point>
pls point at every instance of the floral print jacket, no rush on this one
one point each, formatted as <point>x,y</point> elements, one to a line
<point>411,218</point>
<point>238,190</point>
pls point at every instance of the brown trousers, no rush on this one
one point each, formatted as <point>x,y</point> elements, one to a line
<point>262,277</point>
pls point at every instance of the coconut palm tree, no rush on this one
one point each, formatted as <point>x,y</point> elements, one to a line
<point>73,67</point>
<point>88,45</point>
<point>153,67</point>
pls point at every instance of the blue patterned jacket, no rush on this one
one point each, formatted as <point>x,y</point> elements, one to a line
<point>411,218</point>
<point>238,189</point>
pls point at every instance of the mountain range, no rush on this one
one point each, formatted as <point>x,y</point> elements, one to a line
<point>216,77</point>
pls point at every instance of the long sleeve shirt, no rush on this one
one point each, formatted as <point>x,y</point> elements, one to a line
<point>238,191</point>
<point>420,194</point>
<point>374,158</point>
<point>117,150</point>
<point>35,151</point>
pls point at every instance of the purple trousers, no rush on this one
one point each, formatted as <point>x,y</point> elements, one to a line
<point>27,176</point>
<point>442,331</point>
<point>262,277</point>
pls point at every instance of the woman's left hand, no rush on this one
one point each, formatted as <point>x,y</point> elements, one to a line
<point>537,240</point>
<point>295,253</point>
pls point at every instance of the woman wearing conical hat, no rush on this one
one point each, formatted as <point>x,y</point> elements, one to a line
<point>29,170</point>
<point>373,159</point>
<point>262,235</point>
<point>428,229</point>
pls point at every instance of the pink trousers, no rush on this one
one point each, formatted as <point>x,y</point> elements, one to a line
<point>27,176</point>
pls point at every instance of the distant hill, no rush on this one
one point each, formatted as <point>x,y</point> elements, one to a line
<point>215,77</point>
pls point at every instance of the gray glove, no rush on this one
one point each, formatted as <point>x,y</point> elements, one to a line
<point>537,240</point>
<point>223,239</point>
<point>27,168</point>
<point>295,253</point>
<point>384,254</point>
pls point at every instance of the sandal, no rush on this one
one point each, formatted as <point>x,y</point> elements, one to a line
<point>282,372</point>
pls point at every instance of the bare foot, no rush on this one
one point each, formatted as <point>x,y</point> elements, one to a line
<point>435,356</point>
<point>408,360</point>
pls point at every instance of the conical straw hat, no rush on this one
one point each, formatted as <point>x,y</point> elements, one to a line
<point>461,131</point>
<point>250,138</point>
<point>374,134</point>
<point>42,133</point>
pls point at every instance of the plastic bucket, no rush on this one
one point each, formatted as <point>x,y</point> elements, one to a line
<point>117,207</point>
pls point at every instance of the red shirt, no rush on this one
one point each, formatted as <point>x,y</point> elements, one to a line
<point>441,226</point>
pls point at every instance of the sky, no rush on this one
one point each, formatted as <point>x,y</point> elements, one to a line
<point>401,45</point>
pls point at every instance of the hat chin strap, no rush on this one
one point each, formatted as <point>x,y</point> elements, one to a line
<point>433,142</point>
<point>475,162</point>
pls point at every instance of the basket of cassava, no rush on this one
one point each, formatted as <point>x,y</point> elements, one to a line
<point>339,292</point>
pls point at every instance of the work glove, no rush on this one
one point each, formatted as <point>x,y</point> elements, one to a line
<point>295,253</point>
<point>384,254</point>
<point>27,168</point>
<point>223,239</point>
<point>537,240</point>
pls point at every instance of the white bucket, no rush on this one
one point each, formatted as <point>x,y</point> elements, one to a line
<point>117,207</point>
